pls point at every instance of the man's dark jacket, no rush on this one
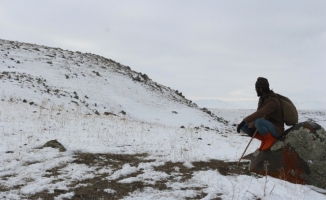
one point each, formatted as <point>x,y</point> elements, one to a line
<point>269,108</point>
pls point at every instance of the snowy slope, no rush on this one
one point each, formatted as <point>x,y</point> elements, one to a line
<point>46,76</point>
<point>136,150</point>
<point>214,103</point>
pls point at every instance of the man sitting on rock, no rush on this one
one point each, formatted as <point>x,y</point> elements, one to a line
<point>267,119</point>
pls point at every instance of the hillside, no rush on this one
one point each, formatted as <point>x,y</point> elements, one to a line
<point>123,135</point>
<point>45,76</point>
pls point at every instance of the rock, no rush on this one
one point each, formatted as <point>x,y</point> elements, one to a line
<point>299,157</point>
<point>55,144</point>
<point>109,113</point>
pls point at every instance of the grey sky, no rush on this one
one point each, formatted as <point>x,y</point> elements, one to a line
<point>205,49</point>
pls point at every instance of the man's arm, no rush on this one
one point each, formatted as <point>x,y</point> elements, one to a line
<point>270,106</point>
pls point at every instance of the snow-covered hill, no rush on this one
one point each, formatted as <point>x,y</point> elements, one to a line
<point>214,103</point>
<point>122,134</point>
<point>45,76</point>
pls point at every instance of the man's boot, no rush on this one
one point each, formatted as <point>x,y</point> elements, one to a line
<point>258,136</point>
<point>269,141</point>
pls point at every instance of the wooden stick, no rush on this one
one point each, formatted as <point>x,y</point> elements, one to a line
<point>247,146</point>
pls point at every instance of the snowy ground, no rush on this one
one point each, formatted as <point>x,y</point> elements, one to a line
<point>128,159</point>
<point>126,136</point>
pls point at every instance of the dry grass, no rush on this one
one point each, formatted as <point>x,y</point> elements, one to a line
<point>94,188</point>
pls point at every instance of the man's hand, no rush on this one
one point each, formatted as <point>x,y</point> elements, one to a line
<point>240,126</point>
<point>251,132</point>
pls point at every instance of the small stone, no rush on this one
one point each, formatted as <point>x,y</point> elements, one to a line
<point>55,144</point>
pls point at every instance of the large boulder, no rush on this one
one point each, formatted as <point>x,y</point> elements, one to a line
<point>299,157</point>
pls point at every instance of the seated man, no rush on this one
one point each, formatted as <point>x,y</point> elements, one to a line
<point>267,120</point>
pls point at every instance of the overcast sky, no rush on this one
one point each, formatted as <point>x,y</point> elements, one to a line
<point>205,49</point>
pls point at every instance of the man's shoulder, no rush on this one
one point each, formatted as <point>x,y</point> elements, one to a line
<point>272,97</point>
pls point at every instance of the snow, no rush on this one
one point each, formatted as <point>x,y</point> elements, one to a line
<point>149,127</point>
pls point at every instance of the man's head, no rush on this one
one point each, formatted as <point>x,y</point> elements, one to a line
<point>262,86</point>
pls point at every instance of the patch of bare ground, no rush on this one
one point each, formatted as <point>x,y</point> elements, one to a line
<point>96,187</point>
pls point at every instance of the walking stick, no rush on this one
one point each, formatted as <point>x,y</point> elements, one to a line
<point>247,146</point>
